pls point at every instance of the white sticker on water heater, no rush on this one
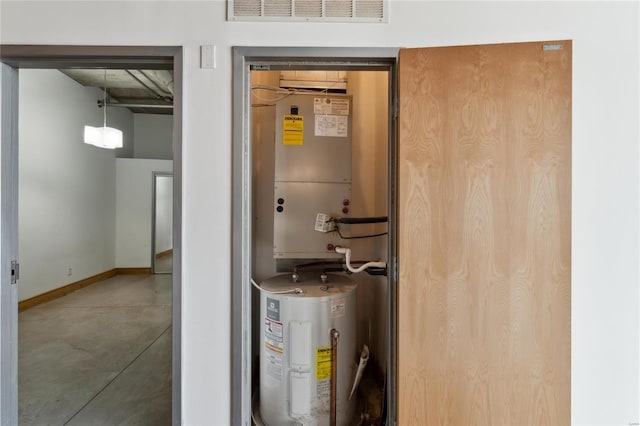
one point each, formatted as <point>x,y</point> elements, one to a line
<point>323,395</point>
<point>273,337</point>
<point>274,344</point>
<point>338,308</point>
<point>274,366</point>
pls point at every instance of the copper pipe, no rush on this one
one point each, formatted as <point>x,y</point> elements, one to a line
<point>334,375</point>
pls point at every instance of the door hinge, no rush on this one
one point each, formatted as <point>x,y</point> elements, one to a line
<point>395,107</point>
<point>395,270</point>
<point>15,272</point>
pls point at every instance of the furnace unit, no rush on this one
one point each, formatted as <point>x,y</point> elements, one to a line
<point>312,173</point>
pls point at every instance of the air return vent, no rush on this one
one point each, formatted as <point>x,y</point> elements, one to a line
<point>308,10</point>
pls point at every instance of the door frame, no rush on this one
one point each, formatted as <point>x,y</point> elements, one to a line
<point>12,58</point>
<point>154,187</point>
<point>246,59</point>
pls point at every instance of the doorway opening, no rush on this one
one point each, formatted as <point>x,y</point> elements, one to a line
<point>161,223</point>
<point>15,58</point>
<point>318,131</point>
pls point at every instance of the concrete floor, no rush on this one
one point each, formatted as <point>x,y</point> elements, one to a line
<point>98,356</point>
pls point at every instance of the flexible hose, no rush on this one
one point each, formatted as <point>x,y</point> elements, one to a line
<point>296,290</point>
<point>347,261</point>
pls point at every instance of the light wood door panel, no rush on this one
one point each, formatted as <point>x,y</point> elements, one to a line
<point>484,235</point>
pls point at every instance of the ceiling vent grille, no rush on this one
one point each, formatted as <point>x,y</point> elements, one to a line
<point>277,7</point>
<point>308,10</point>
<point>246,8</point>
<point>338,8</point>
<point>369,9</point>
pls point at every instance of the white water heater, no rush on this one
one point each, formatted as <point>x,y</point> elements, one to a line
<point>296,350</point>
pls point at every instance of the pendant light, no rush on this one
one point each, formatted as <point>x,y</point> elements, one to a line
<point>103,137</point>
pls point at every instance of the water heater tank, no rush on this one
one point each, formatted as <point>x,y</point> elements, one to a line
<point>295,354</point>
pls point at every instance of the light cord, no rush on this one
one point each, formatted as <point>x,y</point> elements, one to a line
<point>104,100</point>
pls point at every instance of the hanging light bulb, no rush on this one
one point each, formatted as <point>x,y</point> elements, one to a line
<point>103,137</point>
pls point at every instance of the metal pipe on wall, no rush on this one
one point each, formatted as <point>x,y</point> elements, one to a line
<point>334,376</point>
<point>111,104</point>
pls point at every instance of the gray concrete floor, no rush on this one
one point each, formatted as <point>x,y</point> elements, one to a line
<point>98,356</point>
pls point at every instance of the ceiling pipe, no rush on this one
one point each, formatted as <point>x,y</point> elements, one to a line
<point>109,104</point>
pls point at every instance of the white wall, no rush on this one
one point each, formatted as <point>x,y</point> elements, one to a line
<point>605,214</point>
<point>66,188</point>
<point>153,134</point>
<point>133,210</point>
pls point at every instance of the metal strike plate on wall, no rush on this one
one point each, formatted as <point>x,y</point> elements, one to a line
<point>15,272</point>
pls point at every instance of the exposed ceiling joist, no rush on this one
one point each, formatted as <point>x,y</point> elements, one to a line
<point>136,87</point>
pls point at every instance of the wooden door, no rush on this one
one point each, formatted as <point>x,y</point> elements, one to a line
<point>484,241</point>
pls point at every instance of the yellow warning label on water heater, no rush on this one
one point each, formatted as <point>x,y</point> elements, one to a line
<point>293,130</point>
<point>323,363</point>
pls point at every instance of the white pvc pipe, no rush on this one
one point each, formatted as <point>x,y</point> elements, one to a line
<point>347,260</point>
<point>364,357</point>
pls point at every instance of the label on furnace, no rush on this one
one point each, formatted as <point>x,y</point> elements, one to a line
<point>331,106</point>
<point>331,125</point>
<point>293,130</point>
